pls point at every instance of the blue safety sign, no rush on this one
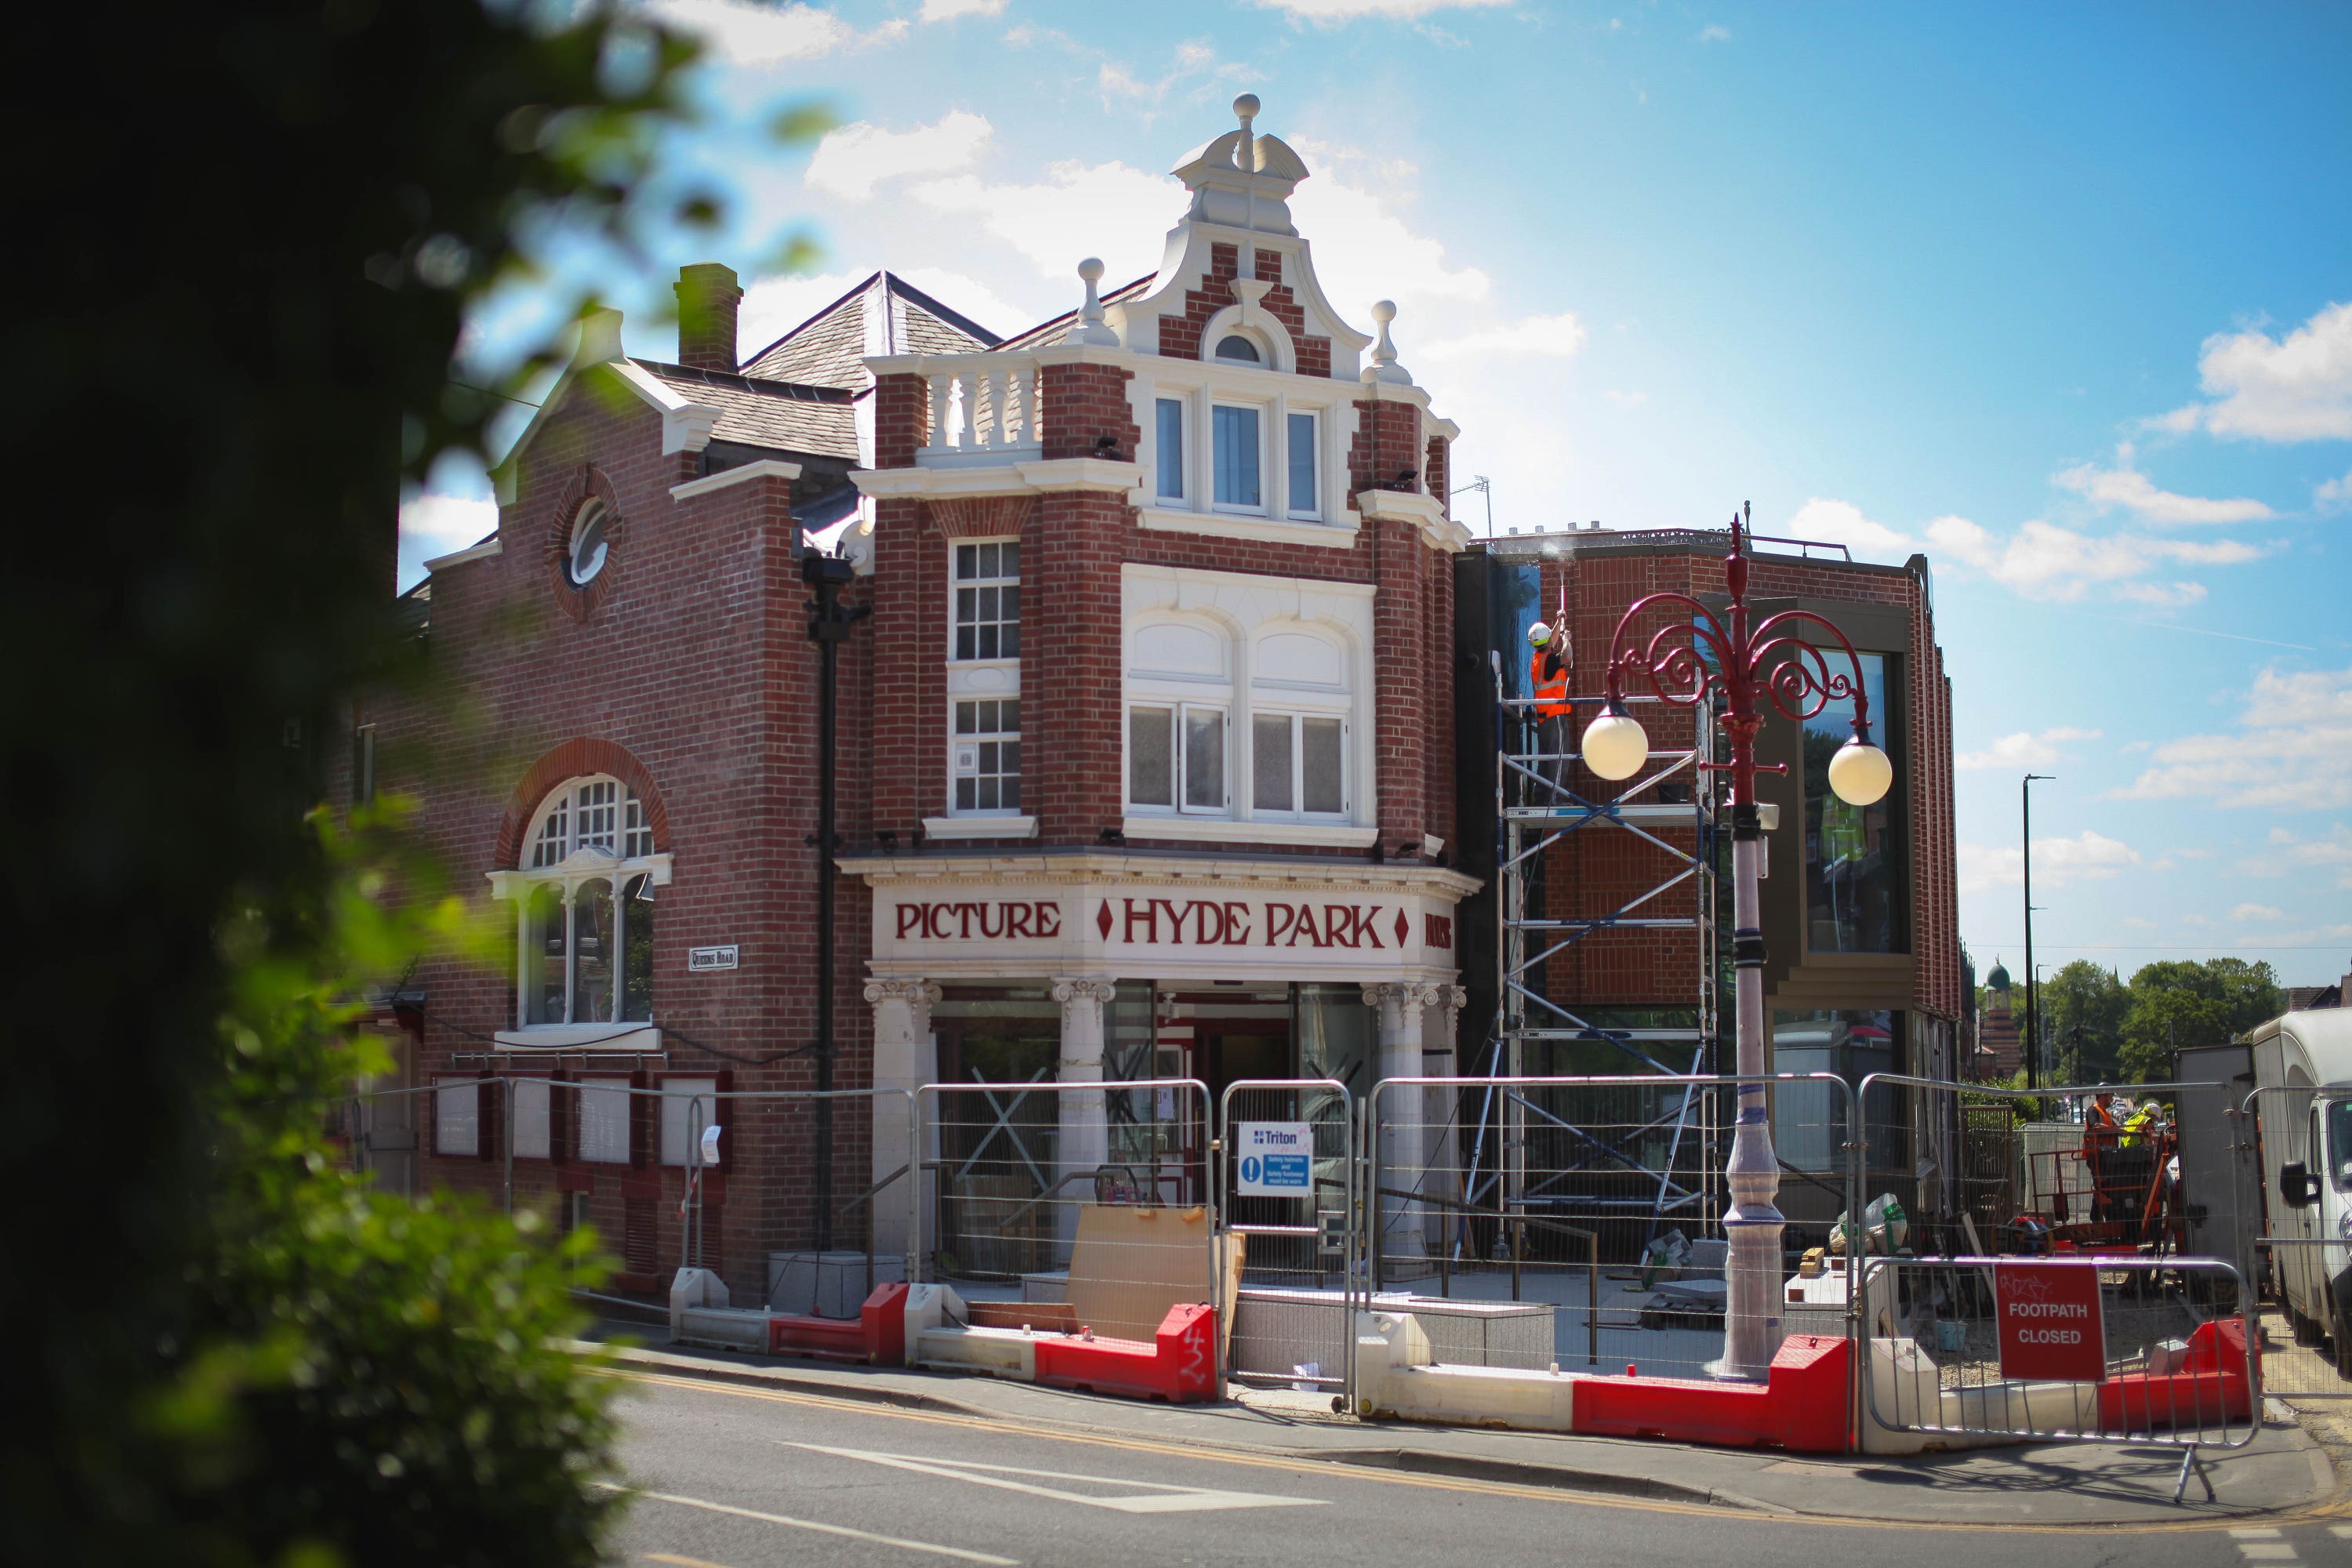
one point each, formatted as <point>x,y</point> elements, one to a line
<point>1274,1159</point>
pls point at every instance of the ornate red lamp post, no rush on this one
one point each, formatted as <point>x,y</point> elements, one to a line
<point>1696,653</point>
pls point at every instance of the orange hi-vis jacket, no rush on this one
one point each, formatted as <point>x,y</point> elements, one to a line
<point>1551,694</point>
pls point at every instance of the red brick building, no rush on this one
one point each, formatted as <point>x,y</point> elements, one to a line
<point>1145,750</point>
<point>1147,742</point>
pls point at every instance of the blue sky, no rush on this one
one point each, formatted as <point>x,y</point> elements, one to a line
<point>2060,296</point>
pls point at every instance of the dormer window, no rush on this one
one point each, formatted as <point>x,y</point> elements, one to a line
<point>1234,346</point>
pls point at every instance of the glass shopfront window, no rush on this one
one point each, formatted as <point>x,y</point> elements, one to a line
<point>1853,854</point>
<point>1809,1119</point>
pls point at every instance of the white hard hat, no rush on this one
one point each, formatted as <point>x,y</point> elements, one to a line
<point>1539,633</point>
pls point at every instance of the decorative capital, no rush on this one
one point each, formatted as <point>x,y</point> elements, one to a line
<point>1457,998</point>
<point>1098,991</point>
<point>1424,996</point>
<point>918,994</point>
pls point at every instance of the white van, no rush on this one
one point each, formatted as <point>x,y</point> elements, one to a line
<point>2303,1063</point>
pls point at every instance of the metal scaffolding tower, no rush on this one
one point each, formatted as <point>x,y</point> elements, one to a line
<point>1533,815</point>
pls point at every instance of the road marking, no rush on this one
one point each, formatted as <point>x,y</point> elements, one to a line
<point>2266,1552</point>
<point>676,1562</point>
<point>1157,1497</point>
<point>2341,1532</point>
<point>841,1530</point>
<point>2253,1534</point>
<point>1380,1476</point>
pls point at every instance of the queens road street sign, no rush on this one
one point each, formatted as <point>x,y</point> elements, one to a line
<point>2052,1327</point>
<point>1274,1159</point>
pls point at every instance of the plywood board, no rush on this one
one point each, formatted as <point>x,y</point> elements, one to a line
<point>1045,1317</point>
<point>1131,1264</point>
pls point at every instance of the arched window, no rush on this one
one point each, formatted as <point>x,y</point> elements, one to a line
<point>1234,346</point>
<point>585,904</point>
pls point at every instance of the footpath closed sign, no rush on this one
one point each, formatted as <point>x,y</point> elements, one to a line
<point>2052,1329</point>
<point>1274,1159</point>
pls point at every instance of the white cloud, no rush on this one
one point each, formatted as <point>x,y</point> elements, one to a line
<point>1714,33</point>
<point>1331,12</point>
<point>850,161</point>
<point>2136,923</point>
<point>1626,399</point>
<point>2088,857</point>
<point>2292,750</point>
<point>1079,210</point>
<point>2294,388</point>
<point>948,10</point>
<point>2333,853</point>
<point>743,34</point>
<point>1551,337</point>
<point>1842,523</point>
<point>2042,561</point>
<point>2333,495</point>
<point>2126,486</point>
<point>2024,749</point>
<point>2257,912</point>
<point>1195,65</point>
<point>439,522</point>
<point>1363,248</point>
<point>2313,937</point>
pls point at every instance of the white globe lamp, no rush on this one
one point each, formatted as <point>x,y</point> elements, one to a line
<point>1615,745</point>
<point>1860,773</point>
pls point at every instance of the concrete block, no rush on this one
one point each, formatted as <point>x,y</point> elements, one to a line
<point>1395,1377</point>
<point>693,1287</point>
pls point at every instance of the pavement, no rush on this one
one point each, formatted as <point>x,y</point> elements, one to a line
<point>2288,1473</point>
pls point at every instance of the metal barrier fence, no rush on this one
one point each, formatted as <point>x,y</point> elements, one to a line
<point>2150,1351</point>
<point>1285,1186</point>
<point>632,1160</point>
<point>1084,1205</point>
<point>1582,1221</point>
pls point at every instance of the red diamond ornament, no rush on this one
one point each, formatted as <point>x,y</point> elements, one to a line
<point>1102,919</point>
<point>1404,928</point>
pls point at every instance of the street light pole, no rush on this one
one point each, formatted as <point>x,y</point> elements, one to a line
<point>2032,986</point>
<point>828,628</point>
<point>1696,652</point>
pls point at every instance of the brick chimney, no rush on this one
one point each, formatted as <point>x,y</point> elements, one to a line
<point>707,298</point>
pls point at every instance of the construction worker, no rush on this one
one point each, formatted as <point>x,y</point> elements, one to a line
<point>1548,665</point>
<point>2141,1123</point>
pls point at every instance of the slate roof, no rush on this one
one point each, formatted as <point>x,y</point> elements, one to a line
<point>829,348</point>
<point>757,412</point>
<point>1046,332</point>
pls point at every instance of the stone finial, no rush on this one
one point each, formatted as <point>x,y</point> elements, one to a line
<point>1385,366</point>
<point>1090,326</point>
<point>1245,151</point>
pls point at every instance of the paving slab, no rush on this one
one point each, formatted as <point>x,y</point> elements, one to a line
<point>2283,1471</point>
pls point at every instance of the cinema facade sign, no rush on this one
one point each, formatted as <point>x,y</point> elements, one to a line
<point>1120,915</point>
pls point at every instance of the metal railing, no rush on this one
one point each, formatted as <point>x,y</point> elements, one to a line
<point>1297,1219</point>
<point>2140,1351</point>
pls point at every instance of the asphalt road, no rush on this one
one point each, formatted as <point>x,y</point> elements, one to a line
<point>729,1477</point>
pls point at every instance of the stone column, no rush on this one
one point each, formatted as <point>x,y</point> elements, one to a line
<point>1440,1057</point>
<point>1403,1144</point>
<point>1084,1140</point>
<point>906,1055</point>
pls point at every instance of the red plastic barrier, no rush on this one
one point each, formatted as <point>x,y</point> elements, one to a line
<point>1800,1409</point>
<point>2211,1386</point>
<point>1179,1367</point>
<point>876,1335</point>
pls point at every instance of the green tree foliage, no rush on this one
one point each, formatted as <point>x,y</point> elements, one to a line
<point>2082,1005</point>
<point>2180,1003</point>
<point>246,250</point>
